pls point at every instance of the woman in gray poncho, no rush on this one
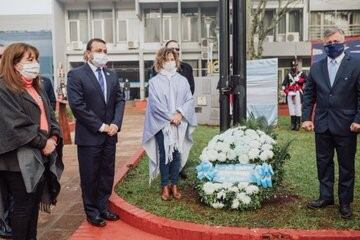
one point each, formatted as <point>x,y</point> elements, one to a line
<point>169,122</point>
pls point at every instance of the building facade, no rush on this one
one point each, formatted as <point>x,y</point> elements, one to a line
<point>136,29</point>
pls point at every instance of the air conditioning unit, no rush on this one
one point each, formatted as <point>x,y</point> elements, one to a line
<point>204,42</point>
<point>281,38</point>
<point>77,45</point>
<point>269,38</point>
<point>293,37</point>
<point>132,45</point>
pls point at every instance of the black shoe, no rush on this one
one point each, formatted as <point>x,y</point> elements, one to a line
<point>96,221</point>
<point>183,174</point>
<point>293,122</point>
<point>297,123</point>
<point>6,235</point>
<point>5,231</point>
<point>110,216</point>
<point>319,203</point>
<point>345,211</point>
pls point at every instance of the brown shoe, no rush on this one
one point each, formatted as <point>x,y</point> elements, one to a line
<point>165,195</point>
<point>175,192</point>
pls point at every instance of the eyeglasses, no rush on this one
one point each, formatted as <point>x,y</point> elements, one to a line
<point>177,49</point>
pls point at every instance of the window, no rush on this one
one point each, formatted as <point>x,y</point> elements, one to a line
<point>190,25</point>
<point>103,25</point>
<point>122,30</point>
<point>295,21</point>
<point>268,17</point>
<point>349,21</point>
<point>282,25</point>
<point>209,22</point>
<point>170,24</point>
<point>78,26</point>
<point>152,25</point>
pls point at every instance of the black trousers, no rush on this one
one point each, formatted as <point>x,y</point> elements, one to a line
<point>345,146</point>
<point>8,205</point>
<point>24,216</point>
<point>97,167</point>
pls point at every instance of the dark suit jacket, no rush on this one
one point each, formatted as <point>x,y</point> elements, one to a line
<point>48,88</point>
<point>185,70</point>
<point>89,107</point>
<point>337,106</point>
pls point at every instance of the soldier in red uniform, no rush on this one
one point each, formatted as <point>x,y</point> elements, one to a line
<point>293,88</point>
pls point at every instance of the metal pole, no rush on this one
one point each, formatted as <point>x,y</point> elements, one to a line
<point>239,61</point>
<point>223,84</point>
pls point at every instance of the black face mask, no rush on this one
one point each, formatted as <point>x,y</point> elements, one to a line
<point>334,50</point>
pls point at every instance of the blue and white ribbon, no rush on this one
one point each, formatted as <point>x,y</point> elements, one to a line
<point>205,170</point>
<point>262,175</point>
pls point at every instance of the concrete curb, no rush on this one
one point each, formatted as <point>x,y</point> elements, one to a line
<point>180,230</point>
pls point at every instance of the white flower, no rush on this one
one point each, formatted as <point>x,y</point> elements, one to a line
<point>204,156</point>
<point>221,194</point>
<point>260,132</point>
<point>231,155</point>
<point>234,189</point>
<point>217,205</point>
<point>221,157</point>
<point>210,188</point>
<point>253,153</point>
<point>266,147</point>
<point>243,198</point>
<point>267,139</point>
<point>243,185</point>
<point>266,155</point>
<point>254,144</point>
<point>223,147</point>
<point>243,158</point>
<point>235,204</point>
<point>252,189</point>
<point>250,132</point>
<point>212,155</point>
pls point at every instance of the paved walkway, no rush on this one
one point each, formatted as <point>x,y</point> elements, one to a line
<point>67,216</point>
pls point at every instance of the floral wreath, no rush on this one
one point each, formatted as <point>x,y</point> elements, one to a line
<point>240,168</point>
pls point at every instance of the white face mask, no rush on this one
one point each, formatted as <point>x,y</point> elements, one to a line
<point>100,59</point>
<point>30,70</point>
<point>170,66</point>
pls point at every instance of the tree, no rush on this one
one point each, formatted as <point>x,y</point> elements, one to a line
<point>257,28</point>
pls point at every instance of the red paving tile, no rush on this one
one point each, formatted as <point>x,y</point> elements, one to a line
<point>113,231</point>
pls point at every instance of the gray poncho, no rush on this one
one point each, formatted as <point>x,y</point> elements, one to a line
<point>168,93</point>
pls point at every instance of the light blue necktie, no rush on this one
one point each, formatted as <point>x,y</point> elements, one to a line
<point>101,80</point>
<point>332,71</point>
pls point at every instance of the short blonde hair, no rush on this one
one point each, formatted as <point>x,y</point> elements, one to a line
<point>161,58</point>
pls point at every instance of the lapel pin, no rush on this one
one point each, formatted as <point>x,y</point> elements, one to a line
<point>108,74</point>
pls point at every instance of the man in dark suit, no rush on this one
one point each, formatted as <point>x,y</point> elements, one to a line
<point>334,85</point>
<point>98,105</point>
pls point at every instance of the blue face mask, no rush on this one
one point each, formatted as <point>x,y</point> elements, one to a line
<point>334,50</point>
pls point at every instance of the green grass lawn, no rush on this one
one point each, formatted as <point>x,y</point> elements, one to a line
<point>286,210</point>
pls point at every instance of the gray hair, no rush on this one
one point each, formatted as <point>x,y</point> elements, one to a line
<point>332,30</point>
